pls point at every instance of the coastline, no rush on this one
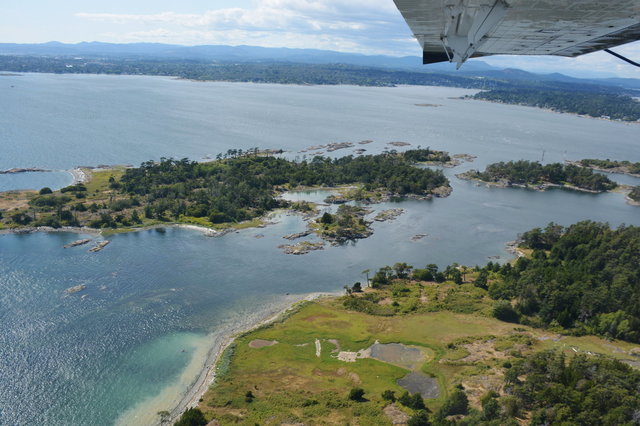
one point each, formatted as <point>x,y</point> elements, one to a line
<point>146,412</point>
<point>208,374</point>
<point>575,114</point>
<point>535,187</point>
<point>614,170</point>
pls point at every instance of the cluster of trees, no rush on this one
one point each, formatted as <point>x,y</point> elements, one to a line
<point>394,278</point>
<point>532,172</point>
<point>584,278</point>
<point>242,187</point>
<point>580,390</point>
<point>627,166</point>
<point>546,388</point>
<point>427,154</point>
<point>346,224</point>
<point>635,193</point>
<point>610,105</point>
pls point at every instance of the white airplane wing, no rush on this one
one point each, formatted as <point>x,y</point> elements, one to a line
<point>456,30</point>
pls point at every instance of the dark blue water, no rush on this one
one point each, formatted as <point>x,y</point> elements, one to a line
<point>156,300</point>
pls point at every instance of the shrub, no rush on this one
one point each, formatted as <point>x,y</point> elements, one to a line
<point>191,417</point>
<point>503,311</point>
<point>389,395</point>
<point>45,190</point>
<point>356,394</point>
<point>421,418</point>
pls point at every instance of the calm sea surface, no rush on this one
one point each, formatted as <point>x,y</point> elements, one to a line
<point>130,343</point>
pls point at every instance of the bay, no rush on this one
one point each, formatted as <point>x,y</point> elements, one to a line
<point>131,342</point>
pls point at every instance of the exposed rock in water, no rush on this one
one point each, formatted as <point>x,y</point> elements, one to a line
<point>336,199</point>
<point>360,151</point>
<point>215,234</point>
<point>77,243</point>
<point>296,236</point>
<point>399,143</point>
<point>259,236</point>
<point>302,247</point>
<point>21,170</point>
<point>418,237</point>
<point>75,289</point>
<point>338,145</point>
<point>386,215</point>
<point>99,246</point>
<point>465,157</point>
<point>442,191</point>
<point>364,142</point>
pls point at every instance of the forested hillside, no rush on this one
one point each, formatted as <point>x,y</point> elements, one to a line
<point>584,278</point>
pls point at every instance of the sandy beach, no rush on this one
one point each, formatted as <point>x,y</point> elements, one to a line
<point>204,362</point>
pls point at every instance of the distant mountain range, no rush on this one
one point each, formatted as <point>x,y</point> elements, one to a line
<point>254,54</point>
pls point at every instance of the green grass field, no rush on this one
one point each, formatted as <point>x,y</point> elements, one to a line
<point>291,384</point>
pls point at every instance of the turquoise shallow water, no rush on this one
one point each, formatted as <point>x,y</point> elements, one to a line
<point>154,298</point>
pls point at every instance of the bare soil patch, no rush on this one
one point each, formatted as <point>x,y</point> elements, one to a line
<point>259,343</point>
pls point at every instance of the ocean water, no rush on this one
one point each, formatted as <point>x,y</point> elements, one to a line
<point>155,301</point>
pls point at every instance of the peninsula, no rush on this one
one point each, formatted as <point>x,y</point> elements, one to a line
<point>235,190</point>
<point>418,346</point>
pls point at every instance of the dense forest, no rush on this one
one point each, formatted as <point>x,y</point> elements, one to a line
<point>236,187</point>
<point>614,106</point>
<point>580,390</point>
<point>533,173</point>
<point>612,165</point>
<point>583,278</point>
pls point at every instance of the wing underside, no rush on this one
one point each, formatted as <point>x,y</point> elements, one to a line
<point>460,29</point>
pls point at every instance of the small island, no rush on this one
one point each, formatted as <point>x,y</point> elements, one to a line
<point>533,175</point>
<point>347,224</point>
<point>234,191</point>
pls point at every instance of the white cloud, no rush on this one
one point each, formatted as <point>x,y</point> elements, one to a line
<point>360,26</point>
<point>364,26</point>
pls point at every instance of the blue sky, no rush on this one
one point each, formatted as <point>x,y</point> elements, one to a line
<point>361,26</point>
